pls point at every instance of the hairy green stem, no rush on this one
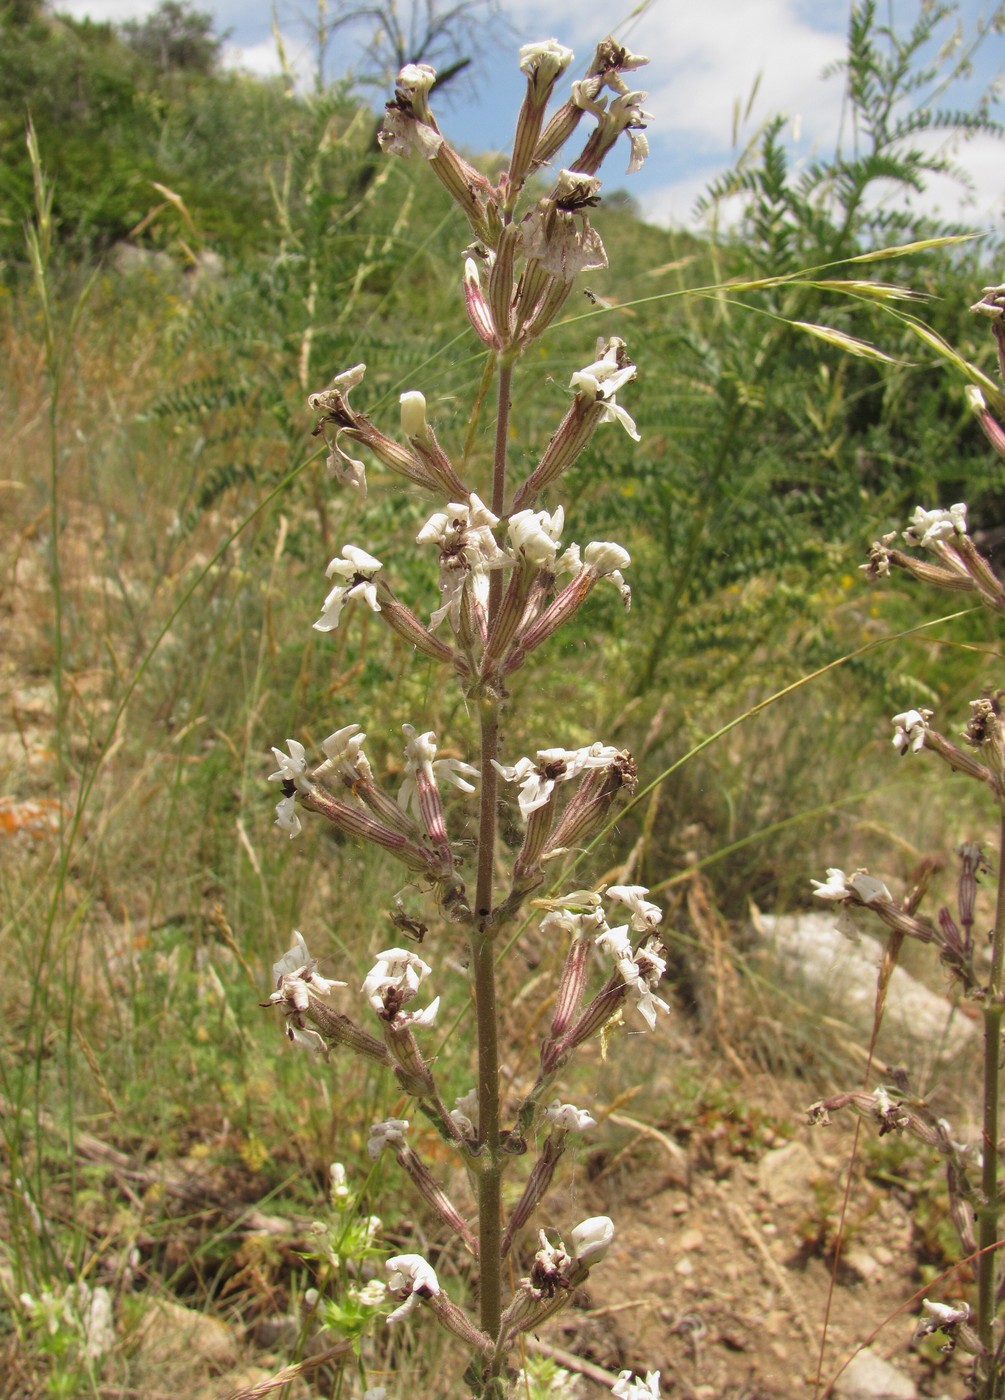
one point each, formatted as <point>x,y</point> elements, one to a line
<point>489,1176</point>
<point>988,1232</point>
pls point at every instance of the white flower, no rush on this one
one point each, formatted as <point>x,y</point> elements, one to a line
<point>426,1017</point>
<point>412,1276</point>
<point>592,1238</point>
<point>862,886</point>
<point>420,750</point>
<point>604,377</point>
<point>416,80</point>
<point>626,110</point>
<point>294,961</point>
<point>615,942</point>
<point>462,527</point>
<point>295,972</point>
<point>605,557</point>
<point>468,552</point>
<point>545,61</point>
<point>627,1388</point>
<point>344,756</point>
<point>910,730</point>
<point>627,64</point>
<point>397,969</point>
<point>602,380</point>
<point>338,389</point>
<point>357,569</point>
<point>456,771</point>
<point>537,779</point>
<point>645,916</point>
<point>624,114</point>
<point>292,767</point>
<point>647,1003</point>
<point>569,924</point>
<point>338,1180</point>
<point>941,1315</point>
<point>835,887</point>
<point>390,1133</point>
<point>334,402</point>
<point>286,817</point>
<point>534,536</point>
<point>569,1118</point>
<point>640,971</point>
<point>608,560</point>
<point>928,527</point>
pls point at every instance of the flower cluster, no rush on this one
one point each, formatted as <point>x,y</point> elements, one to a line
<point>959,567</point>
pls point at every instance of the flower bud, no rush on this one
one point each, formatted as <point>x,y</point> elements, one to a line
<point>591,1239</point>
<point>413,414</point>
<point>478,308</point>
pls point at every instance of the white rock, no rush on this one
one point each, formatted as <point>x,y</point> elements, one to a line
<point>810,944</point>
<point>868,1377</point>
<point>784,1174</point>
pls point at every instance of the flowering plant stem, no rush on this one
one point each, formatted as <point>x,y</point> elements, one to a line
<point>482,939</point>
<point>895,1108</point>
<point>503,594</point>
<point>991,1212</point>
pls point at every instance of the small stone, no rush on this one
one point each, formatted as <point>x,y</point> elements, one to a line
<point>784,1174</point>
<point>868,1377</point>
<point>860,1263</point>
<point>684,1267</point>
<point>883,1255</point>
<point>690,1240</point>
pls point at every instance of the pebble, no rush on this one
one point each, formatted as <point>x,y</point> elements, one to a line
<point>859,1262</point>
<point>868,1377</point>
<point>784,1174</point>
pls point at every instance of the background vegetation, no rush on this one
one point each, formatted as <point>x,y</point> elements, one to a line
<point>167,522</point>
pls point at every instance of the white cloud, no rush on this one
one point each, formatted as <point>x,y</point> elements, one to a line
<point>114,11</point>
<point>263,60</point>
<point>707,58</point>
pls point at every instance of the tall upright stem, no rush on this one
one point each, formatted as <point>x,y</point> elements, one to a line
<point>483,943</point>
<point>487,1015</point>
<point>990,1214</point>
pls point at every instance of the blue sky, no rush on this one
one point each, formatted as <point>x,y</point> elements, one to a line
<point>707,58</point>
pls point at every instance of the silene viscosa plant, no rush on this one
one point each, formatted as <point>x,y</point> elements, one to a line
<point>941,552</point>
<point>506,584</point>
